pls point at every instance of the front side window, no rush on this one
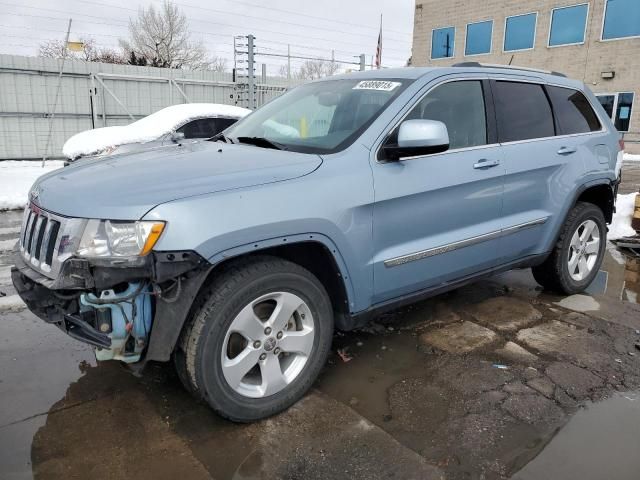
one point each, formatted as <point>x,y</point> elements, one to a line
<point>318,117</point>
<point>478,39</point>
<point>618,107</point>
<point>520,32</point>
<point>573,111</point>
<point>523,111</point>
<point>621,19</point>
<point>460,106</point>
<point>443,42</point>
<point>201,128</point>
<point>568,25</point>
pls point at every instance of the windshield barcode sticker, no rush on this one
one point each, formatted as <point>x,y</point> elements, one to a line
<point>382,85</point>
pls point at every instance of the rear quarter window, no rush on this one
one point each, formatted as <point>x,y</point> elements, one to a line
<point>523,111</point>
<point>573,111</point>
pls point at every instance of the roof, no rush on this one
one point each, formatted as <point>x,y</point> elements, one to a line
<point>413,73</point>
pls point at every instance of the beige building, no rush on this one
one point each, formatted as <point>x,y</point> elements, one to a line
<point>597,41</point>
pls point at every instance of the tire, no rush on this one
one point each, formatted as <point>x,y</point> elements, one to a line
<point>557,273</point>
<point>220,340</point>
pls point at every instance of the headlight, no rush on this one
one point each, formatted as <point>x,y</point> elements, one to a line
<point>107,238</point>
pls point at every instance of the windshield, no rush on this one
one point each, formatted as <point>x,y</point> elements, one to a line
<point>319,117</point>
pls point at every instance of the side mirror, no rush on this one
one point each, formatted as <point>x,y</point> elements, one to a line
<point>177,137</point>
<point>418,137</point>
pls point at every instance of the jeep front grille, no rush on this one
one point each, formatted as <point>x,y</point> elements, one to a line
<point>47,239</point>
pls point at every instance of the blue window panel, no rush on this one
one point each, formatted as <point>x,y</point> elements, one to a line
<point>621,19</point>
<point>568,25</point>
<point>443,42</point>
<point>520,32</point>
<point>478,38</point>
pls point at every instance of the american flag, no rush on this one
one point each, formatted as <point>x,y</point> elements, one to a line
<point>378,61</point>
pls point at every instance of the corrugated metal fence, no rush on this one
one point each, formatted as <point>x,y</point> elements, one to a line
<point>94,95</point>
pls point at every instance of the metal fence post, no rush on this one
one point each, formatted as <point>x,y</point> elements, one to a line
<point>363,61</point>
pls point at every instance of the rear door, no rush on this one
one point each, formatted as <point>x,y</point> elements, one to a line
<point>545,154</point>
<point>436,216</point>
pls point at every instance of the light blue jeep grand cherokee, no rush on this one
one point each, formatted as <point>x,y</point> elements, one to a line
<point>341,199</point>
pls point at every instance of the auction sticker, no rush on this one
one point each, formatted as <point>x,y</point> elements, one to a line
<point>381,85</point>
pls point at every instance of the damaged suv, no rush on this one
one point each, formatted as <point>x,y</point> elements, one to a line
<point>341,199</point>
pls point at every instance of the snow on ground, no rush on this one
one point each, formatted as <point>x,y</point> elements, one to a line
<point>16,178</point>
<point>146,129</point>
<point>621,225</point>
<point>628,157</point>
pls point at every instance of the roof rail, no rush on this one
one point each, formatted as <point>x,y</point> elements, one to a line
<point>512,67</point>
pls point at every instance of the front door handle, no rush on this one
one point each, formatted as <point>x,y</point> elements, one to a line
<point>567,150</point>
<point>484,163</point>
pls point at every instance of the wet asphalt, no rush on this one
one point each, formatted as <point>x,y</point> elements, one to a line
<point>496,380</point>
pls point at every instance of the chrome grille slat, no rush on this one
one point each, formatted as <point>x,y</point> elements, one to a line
<point>32,230</point>
<point>40,236</point>
<point>25,227</point>
<point>51,244</point>
<point>42,252</point>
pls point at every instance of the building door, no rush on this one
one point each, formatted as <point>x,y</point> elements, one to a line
<point>618,106</point>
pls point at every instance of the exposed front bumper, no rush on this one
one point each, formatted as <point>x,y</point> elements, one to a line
<point>63,301</point>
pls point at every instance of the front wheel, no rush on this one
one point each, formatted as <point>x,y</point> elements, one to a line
<point>259,340</point>
<point>578,253</point>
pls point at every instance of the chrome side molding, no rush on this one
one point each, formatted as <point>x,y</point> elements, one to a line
<point>412,257</point>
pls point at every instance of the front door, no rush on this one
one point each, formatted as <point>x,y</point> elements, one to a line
<point>437,217</point>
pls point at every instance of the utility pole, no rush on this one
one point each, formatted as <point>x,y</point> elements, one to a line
<point>244,71</point>
<point>251,72</point>
<point>288,62</point>
<point>55,100</point>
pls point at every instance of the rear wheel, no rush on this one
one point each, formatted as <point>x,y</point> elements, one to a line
<point>259,340</point>
<point>578,253</point>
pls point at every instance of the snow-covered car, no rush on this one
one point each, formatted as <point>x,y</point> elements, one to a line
<point>177,124</point>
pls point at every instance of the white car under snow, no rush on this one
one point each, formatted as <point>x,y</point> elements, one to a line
<point>177,123</point>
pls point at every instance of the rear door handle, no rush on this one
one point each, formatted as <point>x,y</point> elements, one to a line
<point>567,150</point>
<point>484,163</point>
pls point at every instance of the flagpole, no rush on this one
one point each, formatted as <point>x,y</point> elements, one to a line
<point>380,60</point>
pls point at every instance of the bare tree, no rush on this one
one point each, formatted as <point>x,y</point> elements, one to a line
<point>314,69</point>
<point>90,51</point>
<point>161,36</point>
<point>217,64</point>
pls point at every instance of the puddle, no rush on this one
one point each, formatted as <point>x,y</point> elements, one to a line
<point>601,441</point>
<point>619,278</point>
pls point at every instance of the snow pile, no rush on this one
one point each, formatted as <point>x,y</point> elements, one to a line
<point>621,225</point>
<point>628,157</point>
<point>16,178</point>
<point>146,129</point>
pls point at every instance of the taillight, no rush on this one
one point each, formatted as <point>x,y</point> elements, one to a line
<point>621,144</point>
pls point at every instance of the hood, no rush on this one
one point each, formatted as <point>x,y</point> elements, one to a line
<point>125,187</point>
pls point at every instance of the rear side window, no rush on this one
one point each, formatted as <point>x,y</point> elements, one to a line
<point>460,106</point>
<point>523,111</point>
<point>573,111</point>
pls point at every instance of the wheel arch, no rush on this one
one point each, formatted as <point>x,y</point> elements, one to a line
<point>313,251</point>
<point>599,193</point>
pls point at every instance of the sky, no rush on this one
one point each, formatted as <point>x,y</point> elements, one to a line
<point>343,28</point>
